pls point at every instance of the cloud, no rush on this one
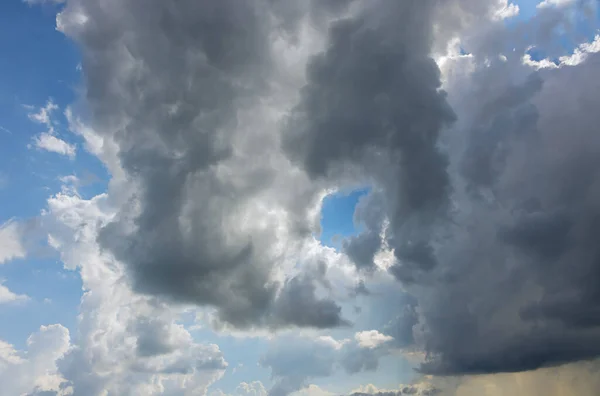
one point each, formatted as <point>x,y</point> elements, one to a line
<point>504,285</point>
<point>221,152</point>
<point>507,10</point>
<point>44,114</point>
<point>48,140</point>
<point>371,339</point>
<point>34,370</point>
<point>295,360</point>
<point>417,389</point>
<point>11,246</point>
<point>254,388</point>
<point>313,390</point>
<point>7,296</point>
<point>127,344</point>
<point>554,3</point>
<point>214,213</point>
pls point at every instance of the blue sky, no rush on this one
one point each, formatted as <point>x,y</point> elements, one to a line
<point>40,78</point>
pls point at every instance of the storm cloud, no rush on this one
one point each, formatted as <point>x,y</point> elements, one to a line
<point>486,193</point>
<point>188,92</point>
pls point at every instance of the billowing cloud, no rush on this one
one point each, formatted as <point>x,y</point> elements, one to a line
<point>127,343</point>
<point>191,96</point>
<point>34,370</point>
<point>505,284</point>
<point>224,124</point>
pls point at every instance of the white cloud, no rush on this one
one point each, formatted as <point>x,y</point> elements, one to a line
<point>11,246</point>
<point>7,296</point>
<point>254,388</point>
<point>49,142</point>
<point>555,3</point>
<point>44,114</point>
<point>371,339</point>
<point>579,55</point>
<point>507,10</point>
<point>129,344</point>
<point>35,369</point>
<point>312,390</point>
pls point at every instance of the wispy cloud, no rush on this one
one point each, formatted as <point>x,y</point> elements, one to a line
<point>49,141</point>
<point>7,296</point>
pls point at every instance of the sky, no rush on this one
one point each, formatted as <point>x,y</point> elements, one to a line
<point>316,198</point>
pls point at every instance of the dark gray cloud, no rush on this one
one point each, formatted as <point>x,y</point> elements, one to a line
<point>499,255</point>
<point>513,288</point>
<point>373,97</point>
<point>185,91</point>
<point>370,215</point>
<point>299,305</point>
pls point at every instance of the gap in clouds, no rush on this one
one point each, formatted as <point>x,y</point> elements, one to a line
<point>337,216</point>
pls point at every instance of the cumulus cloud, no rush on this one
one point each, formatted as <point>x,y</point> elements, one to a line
<point>254,388</point>
<point>371,339</point>
<point>127,344</point>
<point>34,371</point>
<point>224,124</point>
<point>514,259</point>
<point>216,210</point>
<point>507,10</point>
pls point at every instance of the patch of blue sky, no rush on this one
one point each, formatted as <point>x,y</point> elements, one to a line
<point>243,356</point>
<point>337,216</point>
<point>37,62</point>
<point>54,296</point>
<point>580,28</point>
<point>527,9</point>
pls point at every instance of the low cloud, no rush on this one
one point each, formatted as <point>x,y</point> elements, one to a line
<point>295,360</point>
